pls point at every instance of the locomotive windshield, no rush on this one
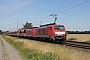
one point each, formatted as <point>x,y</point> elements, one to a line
<point>59,28</point>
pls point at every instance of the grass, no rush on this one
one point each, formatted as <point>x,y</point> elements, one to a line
<point>79,37</point>
<point>30,54</point>
<point>75,39</point>
<point>35,50</point>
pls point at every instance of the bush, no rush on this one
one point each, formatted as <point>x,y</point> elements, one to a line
<point>71,39</point>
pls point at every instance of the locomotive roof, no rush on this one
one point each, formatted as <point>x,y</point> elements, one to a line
<point>47,24</point>
<point>34,27</point>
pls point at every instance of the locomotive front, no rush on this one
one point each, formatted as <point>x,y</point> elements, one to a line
<point>59,32</point>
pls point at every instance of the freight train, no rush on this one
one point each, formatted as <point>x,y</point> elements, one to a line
<point>51,32</point>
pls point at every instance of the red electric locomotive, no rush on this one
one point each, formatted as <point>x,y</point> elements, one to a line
<point>31,33</point>
<point>52,32</point>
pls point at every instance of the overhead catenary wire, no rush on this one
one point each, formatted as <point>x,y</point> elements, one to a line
<point>60,8</point>
<point>73,10</point>
<point>76,9</point>
<point>85,2</point>
<point>66,5</point>
<point>74,14</point>
<point>73,7</point>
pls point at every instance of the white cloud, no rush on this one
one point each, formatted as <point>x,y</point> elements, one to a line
<point>12,5</point>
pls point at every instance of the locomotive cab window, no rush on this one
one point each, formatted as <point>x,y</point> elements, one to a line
<point>59,28</point>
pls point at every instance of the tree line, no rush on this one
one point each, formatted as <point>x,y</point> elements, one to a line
<point>78,32</point>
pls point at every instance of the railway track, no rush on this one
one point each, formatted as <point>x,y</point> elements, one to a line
<point>82,45</point>
<point>77,44</point>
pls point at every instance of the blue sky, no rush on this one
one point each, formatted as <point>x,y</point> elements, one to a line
<point>74,14</point>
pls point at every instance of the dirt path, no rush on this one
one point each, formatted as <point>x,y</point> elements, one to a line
<point>7,52</point>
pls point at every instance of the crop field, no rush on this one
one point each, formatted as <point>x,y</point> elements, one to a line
<point>79,37</point>
<point>59,52</point>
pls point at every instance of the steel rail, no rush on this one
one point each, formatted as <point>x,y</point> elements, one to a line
<point>83,45</point>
